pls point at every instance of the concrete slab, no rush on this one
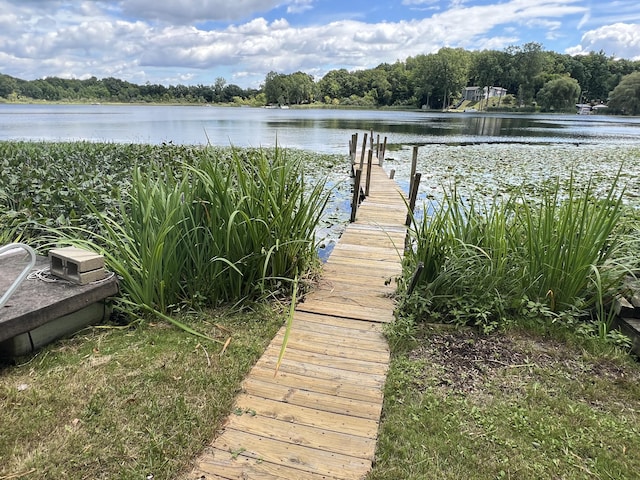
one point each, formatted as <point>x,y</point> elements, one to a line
<point>36,303</point>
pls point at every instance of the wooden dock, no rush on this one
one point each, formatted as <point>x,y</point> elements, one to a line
<point>318,417</point>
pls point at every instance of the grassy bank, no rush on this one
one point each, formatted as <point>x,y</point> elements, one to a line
<point>126,402</point>
<point>513,405</point>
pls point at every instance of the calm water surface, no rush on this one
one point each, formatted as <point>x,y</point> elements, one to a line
<point>316,130</point>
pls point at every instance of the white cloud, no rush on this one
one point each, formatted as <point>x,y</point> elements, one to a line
<point>136,41</point>
<point>621,40</point>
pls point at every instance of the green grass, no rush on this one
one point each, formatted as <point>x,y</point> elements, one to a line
<point>512,405</point>
<point>129,402</point>
<point>561,256</point>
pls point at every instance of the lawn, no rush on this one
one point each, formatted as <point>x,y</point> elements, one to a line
<point>123,402</point>
<point>522,404</point>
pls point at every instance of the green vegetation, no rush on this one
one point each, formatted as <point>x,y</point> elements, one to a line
<point>517,404</point>
<point>187,228</point>
<point>435,81</point>
<point>204,226</point>
<point>538,385</point>
<point>557,256</point>
<point>121,403</point>
<point>537,396</point>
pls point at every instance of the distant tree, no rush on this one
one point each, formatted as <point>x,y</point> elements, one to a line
<point>7,85</point>
<point>338,84</point>
<point>230,91</point>
<point>559,94</point>
<point>275,88</point>
<point>598,79</point>
<point>625,98</point>
<point>527,62</point>
<point>452,71</point>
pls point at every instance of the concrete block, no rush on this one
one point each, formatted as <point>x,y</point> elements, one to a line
<point>77,265</point>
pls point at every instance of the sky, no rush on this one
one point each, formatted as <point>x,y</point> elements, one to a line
<point>195,42</point>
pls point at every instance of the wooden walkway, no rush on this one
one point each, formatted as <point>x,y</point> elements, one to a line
<point>318,417</point>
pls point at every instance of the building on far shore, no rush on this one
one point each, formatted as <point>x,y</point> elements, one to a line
<point>475,94</point>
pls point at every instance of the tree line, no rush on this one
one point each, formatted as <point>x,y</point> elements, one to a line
<point>533,77</point>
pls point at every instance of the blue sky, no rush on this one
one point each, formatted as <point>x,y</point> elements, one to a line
<point>196,41</point>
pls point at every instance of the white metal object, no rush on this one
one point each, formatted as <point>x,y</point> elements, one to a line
<point>20,278</point>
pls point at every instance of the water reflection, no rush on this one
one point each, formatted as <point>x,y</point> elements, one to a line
<point>310,129</point>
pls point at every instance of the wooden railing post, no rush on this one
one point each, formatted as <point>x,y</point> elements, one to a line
<point>369,166</point>
<point>414,163</point>
<point>356,195</point>
<point>384,151</point>
<point>364,149</point>
<point>413,195</point>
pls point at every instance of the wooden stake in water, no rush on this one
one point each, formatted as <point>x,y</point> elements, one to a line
<point>413,195</point>
<point>356,195</point>
<point>414,164</point>
<point>364,149</point>
<point>384,151</point>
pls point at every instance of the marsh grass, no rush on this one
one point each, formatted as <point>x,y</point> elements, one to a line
<point>487,263</point>
<point>121,402</point>
<point>214,231</point>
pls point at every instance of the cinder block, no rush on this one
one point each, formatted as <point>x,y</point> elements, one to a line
<point>77,265</point>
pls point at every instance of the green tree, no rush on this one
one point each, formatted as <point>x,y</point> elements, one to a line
<point>452,71</point>
<point>598,81</point>
<point>7,85</point>
<point>301,88</point>
<point>527,63</point>
<point>625,98</point>
<point>559,94</point>
<point>275,88</point>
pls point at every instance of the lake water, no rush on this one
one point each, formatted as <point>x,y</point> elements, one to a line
<point>309,129</point>
<point>490,153</point>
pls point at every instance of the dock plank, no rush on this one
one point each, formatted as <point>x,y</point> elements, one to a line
<point>317,415</point>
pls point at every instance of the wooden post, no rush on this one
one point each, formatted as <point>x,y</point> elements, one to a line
<point>414,163</point>
<point>392,174</point>
<point>378,148</point>
<point>369,165</point>
<point>384,151</point>
<point>413,195</point>
<point>354,147</point>
<point>356,195</point>
<point>364,148</point>
<point>371,140</point>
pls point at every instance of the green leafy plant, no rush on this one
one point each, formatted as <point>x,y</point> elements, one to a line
<point>558,257</point>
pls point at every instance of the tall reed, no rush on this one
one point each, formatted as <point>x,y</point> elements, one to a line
<point>218,229</point>
<point>484,261</point>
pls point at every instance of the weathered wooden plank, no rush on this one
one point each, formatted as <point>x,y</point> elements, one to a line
<point>261,387</point>
<point>350,364</point>
<point>379,274</point>
<point>337,282</point>
<point>348,310</point>
<point>332,387</point>
<point>362,263</point>
<point>287,412</point>
<point>222,465</point>
<point>338,335</point>
<point>294,456</point>
<point>305,368</point>
<point>309,436</point>
<point>359,327</point>
<point>339,351</point>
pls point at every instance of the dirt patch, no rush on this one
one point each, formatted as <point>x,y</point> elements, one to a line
<point>464,361</point>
